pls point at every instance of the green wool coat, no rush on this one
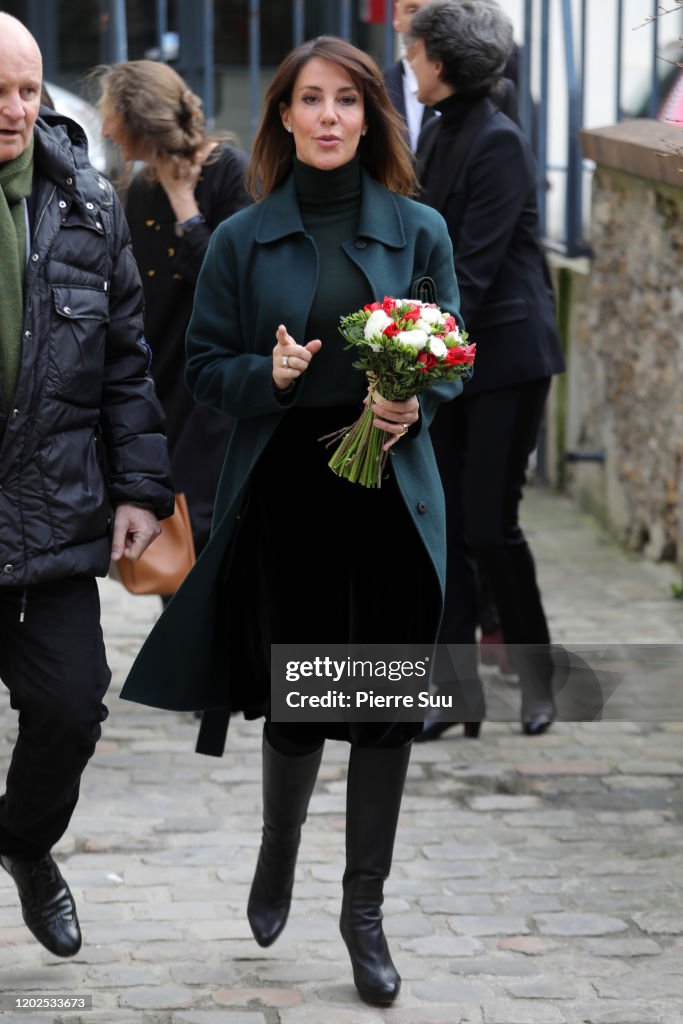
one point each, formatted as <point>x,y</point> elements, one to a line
<point>261,270</point>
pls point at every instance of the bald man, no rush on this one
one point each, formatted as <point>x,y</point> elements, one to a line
<point>83,466</point>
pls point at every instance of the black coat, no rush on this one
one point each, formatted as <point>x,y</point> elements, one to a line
<point>477,169</point>
<point>85,433</point>
<point>169,267</point>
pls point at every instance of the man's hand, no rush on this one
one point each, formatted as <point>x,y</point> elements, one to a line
<point>134,530</point>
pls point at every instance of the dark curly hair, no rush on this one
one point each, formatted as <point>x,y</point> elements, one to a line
<point>472,39</point>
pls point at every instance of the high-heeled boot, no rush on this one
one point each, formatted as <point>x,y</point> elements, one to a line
<point>459,690</point>
<point>373,799</point>
<point>511,573</point>
<point>287,786</point>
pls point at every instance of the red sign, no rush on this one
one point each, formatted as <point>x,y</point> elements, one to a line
<point>374,12</point>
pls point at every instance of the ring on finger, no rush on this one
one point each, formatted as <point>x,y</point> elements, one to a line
<point>405,430</point>
<point>285,361</point>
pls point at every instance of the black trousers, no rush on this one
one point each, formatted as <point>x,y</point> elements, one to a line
<point>54,666</point>
<point>482,445</point>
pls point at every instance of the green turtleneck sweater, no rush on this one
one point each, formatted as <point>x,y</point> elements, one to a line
<point>329,202</point>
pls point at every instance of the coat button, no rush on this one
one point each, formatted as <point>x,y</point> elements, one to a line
<point>27,335</point>
<point>67,310</point>
<point>69,181</point>
<point>89,206</point>
<point>7,569</point>
<point>421,507</point>
<point>62,204</point>
<point>15,413</point>
<point>35,257</point>
<point>360,243</point>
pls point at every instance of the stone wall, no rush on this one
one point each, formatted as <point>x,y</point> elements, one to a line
<point>624,410</point>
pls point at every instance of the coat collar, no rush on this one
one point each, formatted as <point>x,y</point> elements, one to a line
<point>379,214</point>
<point>61,156</point>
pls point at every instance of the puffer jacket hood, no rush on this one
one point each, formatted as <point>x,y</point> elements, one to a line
<point>84,431</point>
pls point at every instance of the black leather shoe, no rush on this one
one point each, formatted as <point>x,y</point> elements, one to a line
<point>47,905</point>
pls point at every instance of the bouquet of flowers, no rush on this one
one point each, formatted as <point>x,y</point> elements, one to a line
<point>404,346</point>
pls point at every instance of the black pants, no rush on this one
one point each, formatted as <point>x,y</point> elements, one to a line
<point>482,445</point>
<point>54,666</point>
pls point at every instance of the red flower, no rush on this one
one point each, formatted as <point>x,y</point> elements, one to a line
<point>427,360</point>
<point>388,305</point>
<point>450,324</point>
<point>457,355</point>
<point>412,315</point>
<point>372,306</point>
<point>391,330</point>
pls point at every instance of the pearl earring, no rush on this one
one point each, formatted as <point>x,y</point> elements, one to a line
<point>364,131</point>
<point>289,128</point>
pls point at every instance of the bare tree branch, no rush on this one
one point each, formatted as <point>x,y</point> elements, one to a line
<point>662,10</point>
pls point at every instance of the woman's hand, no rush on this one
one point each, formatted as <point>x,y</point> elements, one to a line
<point>395,417</point>
<point>289,359</point>
<point>180,191</point>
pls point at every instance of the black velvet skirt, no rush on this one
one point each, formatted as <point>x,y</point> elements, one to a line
<point>326,561</point>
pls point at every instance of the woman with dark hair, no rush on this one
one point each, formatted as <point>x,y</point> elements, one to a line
<point>294,552</point>
<point>477,169</point>
<point>190,181</point>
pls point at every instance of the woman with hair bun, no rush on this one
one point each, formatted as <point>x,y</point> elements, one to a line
<point>190,181</point>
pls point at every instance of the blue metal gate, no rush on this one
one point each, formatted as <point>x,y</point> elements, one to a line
<point>548,26</point>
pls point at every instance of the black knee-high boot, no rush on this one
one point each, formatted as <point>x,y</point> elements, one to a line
<point>373,800</point>
<point>287,786</point>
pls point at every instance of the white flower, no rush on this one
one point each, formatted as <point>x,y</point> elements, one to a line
<point>416,339</point>
<point>432,315</point>
<point>452,338</point>
<point>377,321</point>
<point>437,347</point>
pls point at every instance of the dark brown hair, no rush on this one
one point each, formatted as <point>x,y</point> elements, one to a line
<point>383,151</point>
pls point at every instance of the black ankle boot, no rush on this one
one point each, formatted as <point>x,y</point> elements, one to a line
<point>47,905</point>
<point>536,679</point>
<point>287,786</point>
<point>436,723</point>
<point>373,800</point>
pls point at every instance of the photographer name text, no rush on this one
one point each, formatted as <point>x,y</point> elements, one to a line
<point>367,699</point>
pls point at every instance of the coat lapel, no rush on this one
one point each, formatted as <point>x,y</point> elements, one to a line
<point>380,222</point>
<point>458,152</point>
<point>280,215</point>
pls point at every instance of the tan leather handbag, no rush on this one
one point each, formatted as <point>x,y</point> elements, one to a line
<point>166,562</point>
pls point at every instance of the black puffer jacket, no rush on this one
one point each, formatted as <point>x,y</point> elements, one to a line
<point>85,432</point>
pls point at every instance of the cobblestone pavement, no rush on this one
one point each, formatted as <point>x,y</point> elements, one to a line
<point>536,881</point>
